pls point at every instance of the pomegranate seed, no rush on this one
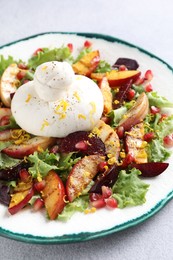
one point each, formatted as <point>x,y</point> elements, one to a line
<point>5,120</point>
<point>20,75</point>
<point>106,192</point>
<point>111,203</point>
<point>130,95</point>
<point>22,66</point>
<point>148,88</point>
<point>38,204</point>
<point>148,137</point>
<point>95,196</point>
<point>40,185</point>
<point>87,44</point>
<point>128,160</point>
<point>154,110</point>
<point>120,132</point>
<point>168,141</point>
<point>24,175</point>
<point>70,46</point>
<point>37,51</point>
<point>101,166</point>
<point>122,68</point>
<point>100,203</point>
<point>82,145</point>
<point>54,149</point>
<point>148,75</point>
<point>139,81</point>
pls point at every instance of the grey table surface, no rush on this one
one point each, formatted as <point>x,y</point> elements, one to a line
<point>148,24</point>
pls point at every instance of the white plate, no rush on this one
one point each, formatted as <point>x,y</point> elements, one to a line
<point>33,227</point>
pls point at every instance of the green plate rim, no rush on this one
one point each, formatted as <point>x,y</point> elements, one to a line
<point>86,236</point>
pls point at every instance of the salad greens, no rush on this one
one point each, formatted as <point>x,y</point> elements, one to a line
<point>129,189</point>
<point>57,54</point>
<point>5,62</point>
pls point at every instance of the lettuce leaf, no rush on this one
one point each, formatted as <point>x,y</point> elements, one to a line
<point>42,163</point>
<point>165,127</point>
<point>57,54</point>
<point>157,100</point>
<point>4,63</point>
<point>11,125</point>
<point>7,162</point>
<point>66,163</point>
<point>78,205</point>
<point>103,67</point>
<point>116,115</point>
<point>157,152</point>
<point>129,189</point>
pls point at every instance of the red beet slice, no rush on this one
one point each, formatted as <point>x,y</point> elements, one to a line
<point>151,169</point>
<point>121,96</point>
<point>129,63</point>
<point>72,143</point>
<point>107,179</point>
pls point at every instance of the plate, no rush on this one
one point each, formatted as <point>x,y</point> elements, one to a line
<point>31,227</point>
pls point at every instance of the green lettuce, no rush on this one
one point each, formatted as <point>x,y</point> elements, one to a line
<point>66,163</point>
<point>157,100</point>
<point>57,54</point>
<point>103,67</point>
<point>12,125</point>
<point>155,149</point>
<point>79,204</point>
<point>116,115</point>
<point>4,63</point>
<point>7,162</point>
<point>157,152</point>
<point>42,163</point>
<point>129,189</point>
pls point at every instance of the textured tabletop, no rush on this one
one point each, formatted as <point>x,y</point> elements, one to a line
<point>148,24</point>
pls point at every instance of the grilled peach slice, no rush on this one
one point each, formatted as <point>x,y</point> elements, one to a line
<point>135,114</point>
<point>135,145</point>
<point>117,78</point>
<point>9,83</point>
<point>21,196</point>
<point>87,64</point>
<point>29,147</point>
<point>107,95</point>
<point>53,195</point>
<point>109,138</point>
<point>81,175</point>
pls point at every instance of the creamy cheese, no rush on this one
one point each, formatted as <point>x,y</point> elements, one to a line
<point>57,102</point>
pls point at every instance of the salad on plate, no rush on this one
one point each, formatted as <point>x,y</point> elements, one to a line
<point>78,134</point>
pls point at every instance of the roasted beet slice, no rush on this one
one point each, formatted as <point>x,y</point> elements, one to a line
<point>12,173</point>
<point>129,63</point>
<point>121,96</point>
<point>5,194</point>
<point>107,178</point>
<point>81,141</point>
<point>151,169</point>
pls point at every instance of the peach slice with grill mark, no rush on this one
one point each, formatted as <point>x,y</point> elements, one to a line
<point>136,113</point>
<point>29,147</point>
<point>9,83</point>
<point>21,196</point>
<point>81,175</point>
<point>53,195</point>
<point>87,64</point>
<point>117,78</point>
